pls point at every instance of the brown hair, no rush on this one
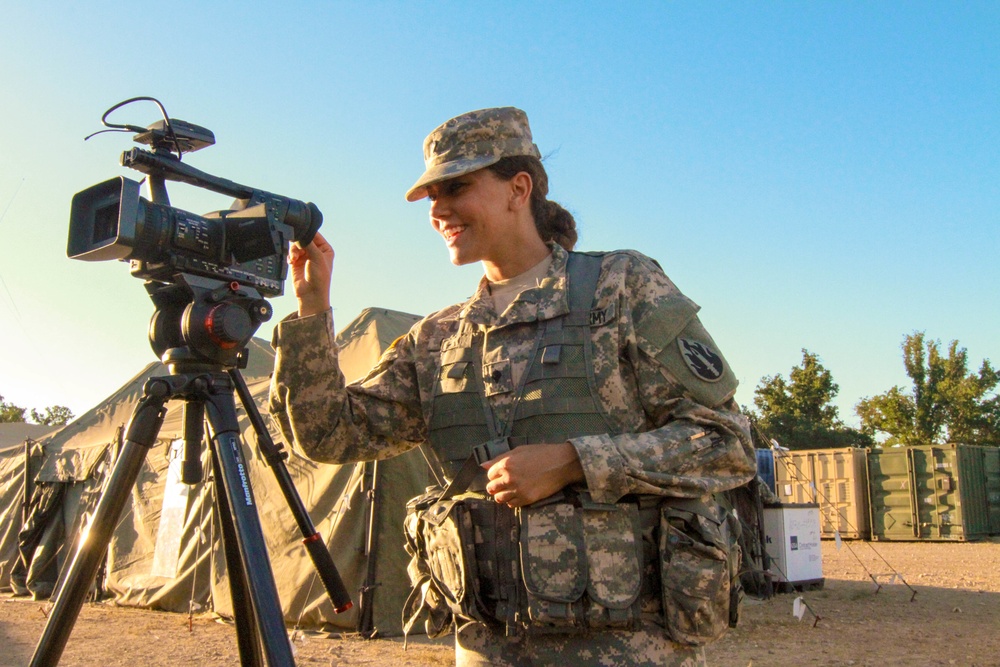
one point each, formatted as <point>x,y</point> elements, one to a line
<point>553,222</point>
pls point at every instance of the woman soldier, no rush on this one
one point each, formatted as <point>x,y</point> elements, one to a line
<point>581,412</point>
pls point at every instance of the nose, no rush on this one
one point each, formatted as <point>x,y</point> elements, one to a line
<point>437,212</point>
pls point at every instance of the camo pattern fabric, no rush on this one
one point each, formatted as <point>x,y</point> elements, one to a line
<point>567,551</point>
<point>665,441</point>
<point>478,645</point>
<point>699,557</point>
<point>473,141</point>
<point>674,428</point>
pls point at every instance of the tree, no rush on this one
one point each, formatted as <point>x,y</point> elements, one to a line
<point>947,404</point>
<point>798,413</point>
<point>55,415</point>
<point>10,412</point>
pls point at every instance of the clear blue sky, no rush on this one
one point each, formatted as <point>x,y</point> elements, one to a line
<point>820,175</point>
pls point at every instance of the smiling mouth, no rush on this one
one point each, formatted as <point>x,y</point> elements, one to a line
<point>452,233</point>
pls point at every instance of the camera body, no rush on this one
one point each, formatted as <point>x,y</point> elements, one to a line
<point>207,275</point>
<point>247,244</point>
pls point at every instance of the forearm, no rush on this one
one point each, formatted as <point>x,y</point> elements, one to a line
<point>699,451</point>
<point>324,418</point>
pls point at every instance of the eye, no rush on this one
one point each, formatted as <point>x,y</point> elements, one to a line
<point>454,187</point>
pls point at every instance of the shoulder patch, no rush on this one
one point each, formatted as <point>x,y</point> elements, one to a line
<point>701,360</point>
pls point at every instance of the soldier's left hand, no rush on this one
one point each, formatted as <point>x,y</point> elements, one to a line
<point>529,473</point>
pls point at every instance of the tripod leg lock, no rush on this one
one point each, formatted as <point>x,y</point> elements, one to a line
<point>149,413</point>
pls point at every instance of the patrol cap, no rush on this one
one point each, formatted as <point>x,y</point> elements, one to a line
<point>472,141</point>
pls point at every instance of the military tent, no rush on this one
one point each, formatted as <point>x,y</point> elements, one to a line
<point>165,552</point>
<point>19,457</point>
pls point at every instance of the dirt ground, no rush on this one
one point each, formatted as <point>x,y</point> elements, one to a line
<point>946,613</point>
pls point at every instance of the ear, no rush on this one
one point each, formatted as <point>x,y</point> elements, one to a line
<point>521,186</point>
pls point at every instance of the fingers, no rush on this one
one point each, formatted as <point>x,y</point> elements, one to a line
<point>312,269</point>
<point>508,496</point>
<point>506,485</point>
<point>497,473</point>
<point>500,485</point>
<point>527,474</point>
<point>318,240</point>
<point>319,250</point>
<point>296,255</point>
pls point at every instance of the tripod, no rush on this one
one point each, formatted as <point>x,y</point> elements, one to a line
<point>199,329</point>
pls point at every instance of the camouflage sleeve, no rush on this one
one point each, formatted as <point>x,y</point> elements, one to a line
<point>375,418</point>
<point>697,442</point>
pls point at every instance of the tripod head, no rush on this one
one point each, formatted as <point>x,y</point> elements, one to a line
<point>201,326</point>
<point>204,324</point>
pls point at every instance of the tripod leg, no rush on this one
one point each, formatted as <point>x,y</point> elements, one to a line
<point>248,640</point>
<point>145,425</point>
<point>313,541</point>
<point>220,409</point>
<point>366,615</point>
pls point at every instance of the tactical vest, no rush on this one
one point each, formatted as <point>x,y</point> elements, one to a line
<point>556,396</point>
<point>566,564</point>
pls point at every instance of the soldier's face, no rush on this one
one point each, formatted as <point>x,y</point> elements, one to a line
<point>471,212</point>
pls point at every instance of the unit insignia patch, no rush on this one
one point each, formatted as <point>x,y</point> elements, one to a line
<point>701,360</point>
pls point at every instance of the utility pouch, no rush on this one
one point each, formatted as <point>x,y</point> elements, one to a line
<point>698,556</point>
<point>581,566</point>
<point>441,539</point>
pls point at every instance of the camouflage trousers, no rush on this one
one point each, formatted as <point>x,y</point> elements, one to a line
<point>478,645</point>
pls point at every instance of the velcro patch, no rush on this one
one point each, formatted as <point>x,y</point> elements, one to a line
<point>701,360</point>
<point>497,377</point>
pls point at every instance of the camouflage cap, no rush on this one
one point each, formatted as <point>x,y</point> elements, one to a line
<point>471,142</point>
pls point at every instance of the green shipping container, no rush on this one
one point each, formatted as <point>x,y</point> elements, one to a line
<point>948,492</point>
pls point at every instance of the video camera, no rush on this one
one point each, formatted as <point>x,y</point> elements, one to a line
<point>207,275</point>
<point>247,244</point>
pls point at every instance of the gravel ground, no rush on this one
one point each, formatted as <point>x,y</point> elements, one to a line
<point>942,607</point>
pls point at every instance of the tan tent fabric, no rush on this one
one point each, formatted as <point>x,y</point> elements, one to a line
<point>13,434</point>
<point>75,456</point>
<point>367,337</point>
<point>20,458</point>
<point>18,449</point>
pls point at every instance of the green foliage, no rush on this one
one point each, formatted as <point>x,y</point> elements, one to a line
<point>55,415</point>
<point>798,413</point>
<point>10,412</point>
<point>947,404</point>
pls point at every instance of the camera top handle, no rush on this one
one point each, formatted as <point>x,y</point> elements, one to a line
<point>304,218</point>
<point>172,135</point>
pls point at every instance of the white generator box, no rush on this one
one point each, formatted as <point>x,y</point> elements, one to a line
<point>792,544</point>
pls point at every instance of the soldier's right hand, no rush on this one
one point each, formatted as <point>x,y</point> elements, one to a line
<point>312,271</point>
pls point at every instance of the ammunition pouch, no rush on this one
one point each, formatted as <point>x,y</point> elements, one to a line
<point>699,570</point>
<point>555,566</point>
<point>440,538</point>
<point>568,564</point>
<point>581,566</point>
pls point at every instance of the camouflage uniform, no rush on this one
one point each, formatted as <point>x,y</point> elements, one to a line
<point>647,405</point>
<point>676,429</point>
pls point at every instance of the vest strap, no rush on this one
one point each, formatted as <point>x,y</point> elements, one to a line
<point>481,453</point>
